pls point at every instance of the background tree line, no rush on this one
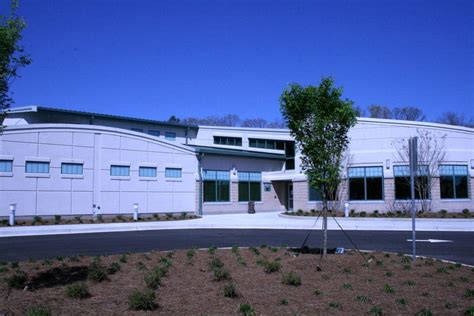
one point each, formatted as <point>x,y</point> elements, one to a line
<point>409,113</point>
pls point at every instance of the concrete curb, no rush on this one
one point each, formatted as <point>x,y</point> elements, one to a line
<point>245,221</point>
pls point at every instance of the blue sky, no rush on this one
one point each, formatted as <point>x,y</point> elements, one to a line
<point>153,59</point>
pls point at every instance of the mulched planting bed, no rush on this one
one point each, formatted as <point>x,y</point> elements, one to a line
<point>233,281</point>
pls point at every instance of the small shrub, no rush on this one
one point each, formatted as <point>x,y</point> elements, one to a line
<point>469,293</point>
<point>255,251</point>
<point>389,274</point>
<point>347,286</point>
<point>347,271</point>
<point>270,267</point>
<point>379,263</point>
<point>386,255</point>
<point>274,249</point>
<point>153,279</point>
<point>388,289</point>
<point>406,260</point>
<point>170,254</point>
<point>235,250</point>
<point>363,214</point>
<point>450,305</point>
<point>406,267</point>
<point>375,310</point>
<point>401,301</point>
<point>466,212</point>
<point>141,266</point>
<point>221,274</point>
<point>57,218</point>
<point>424,312</point>
<point>78,219</point>
<point>100,218</point>
<point>183,215</point>
<point>443,213</point>
<point>123,258</point>
<point>212,250</point>
<point>216,263</point>
<point>142,300</point>
<point>17,280</point>
<point>230,291</point>
<point>165,262</point>
<point>78,291</point>
<point>335,305</point>
<point>283,301</point>
<point>291,278</point>
<point>190,254</point>
<point>317,292</point>
<point>14,265</point>
<point>246,309</point>
<point>114,268</point>
<point>363,299</point>
<point>442,270</point>
<point>241,261</point>
<point>469,311</point>
<point>410,283</point>
<point>96,272</point>
<point>463,279</point>
<point>37,311</point>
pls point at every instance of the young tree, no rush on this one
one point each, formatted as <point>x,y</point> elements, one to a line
<point>319,120</point>
<point>12,55</point>
<point>431,151</point>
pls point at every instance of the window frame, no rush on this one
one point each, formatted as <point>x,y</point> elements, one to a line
<point>143,167</point>
<point>170,136</point>
<point>248,182</point>
<point>217,186</point>
<point>45,161</point>
<point>154,132</point>
<point>171,177</point>
<point>234,141</point>
<point>119,165</point>
<point>417,191</point>
<point>6,172</point>
<point>365,177</point>
<point>72,175</point>
<point>453,176</point>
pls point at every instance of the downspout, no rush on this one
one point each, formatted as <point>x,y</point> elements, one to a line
<point>199,157</point>
<point>186,134</point>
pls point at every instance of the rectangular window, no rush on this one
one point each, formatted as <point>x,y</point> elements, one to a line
<point>290,155</point>
<point>314,194</point>
<point>71,168</point>
<point>147,172</point>
<point>365,183</point>
<point>170,136</point>
<point>137,130</point>
<point>6,165</point>
<point>216,186</point>
<point>37,167</point>
<point>230,141</point>
<point>250,184</point>
<point>402,183</point>
<point>267,143</point>
<point>120,171</point>
<point>154,132</point>
<point>173,172</point>
<point>453,181</point>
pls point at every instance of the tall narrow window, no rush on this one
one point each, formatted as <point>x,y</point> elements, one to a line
<point>365,183</point>
<point>170,136</point>
<point>402,183</point>
<point>290,155</point>
<point>149,172</point>
<point>216,186</point>
<point>6,165</point>
<point>453,181</point>
<point>71,168</point>
<point>250,186</point>
<point>37,167</point>
<point>119,171</point>
<point>173,172</point>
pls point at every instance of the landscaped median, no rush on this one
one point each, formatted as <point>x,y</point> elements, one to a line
<point>263,280</point>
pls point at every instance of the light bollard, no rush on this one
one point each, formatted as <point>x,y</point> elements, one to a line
<point>12,214</point>
<point>135,212</point>
<point>346,209</point>
<point>94,212</point>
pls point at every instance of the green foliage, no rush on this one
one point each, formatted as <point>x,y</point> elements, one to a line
<point>142,300</point>
<point>347,270</point>
<point>317,292</point>
<point>272,266</point>
<point>165,262</point>
<point>363,299</point>
<point>255,251</point>
<point>114,268</point>
<point>469,311</point>
<point>14,265</point>
<point>216,263</point>
<point>388,289</point>
<point>78,291</point>
<point>37,311</point>
<point>12,55</point>
<point>123,258</point>
<point>17,280</point>
<point>221,274</point>
<point>450,305</point>
<point>469,293</point>
<point>235,250</point>
<point>212,250</point>
<point>230,291</point>
<point>401,301</point>
<point>141,266</point>
<point>246,309</point>
<point>319,120</point>
<point>96,272</point>
<point>153,279</point>
<point>389,274</point>
<point>283,301</point>
<point>347,286</point>
<point>335,305</point>
<point>442,270</point>
<point>410,283</point>
<point>291,278</point>
<point>190,254</point>
<point>424,312</point>
<point>375,310</point>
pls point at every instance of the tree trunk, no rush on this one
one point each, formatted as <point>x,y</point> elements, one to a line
<point>325,228</point>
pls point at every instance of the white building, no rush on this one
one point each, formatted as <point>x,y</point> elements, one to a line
<point>62,162</point>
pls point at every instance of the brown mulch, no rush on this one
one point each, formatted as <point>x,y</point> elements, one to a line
<point>189,289</point>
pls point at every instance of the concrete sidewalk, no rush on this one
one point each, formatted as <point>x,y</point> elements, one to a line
<point>249,221</point>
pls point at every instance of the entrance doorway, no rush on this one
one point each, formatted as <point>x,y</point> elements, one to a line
<point>289,204</point>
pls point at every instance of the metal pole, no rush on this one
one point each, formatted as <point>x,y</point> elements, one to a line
<point>413,145</point>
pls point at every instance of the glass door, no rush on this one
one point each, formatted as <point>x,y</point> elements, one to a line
<point>290,197</point>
